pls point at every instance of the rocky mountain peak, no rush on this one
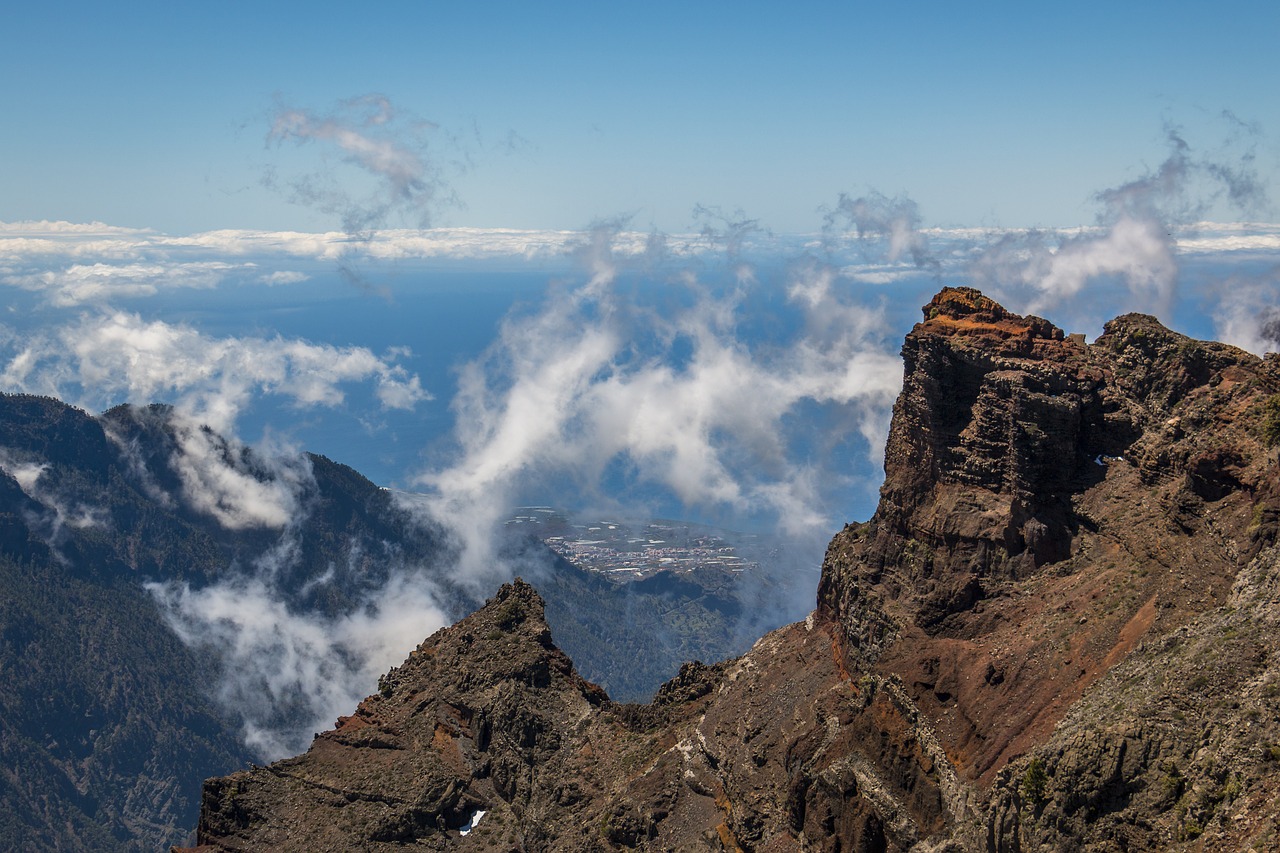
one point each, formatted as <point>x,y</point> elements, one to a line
<point>1017,651</point>
<point>477,715</point>
<point>965,312</point>
<point>508,639</point>
<point>1021,459</point>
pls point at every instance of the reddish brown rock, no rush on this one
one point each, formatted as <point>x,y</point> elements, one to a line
<point>1057,632</point>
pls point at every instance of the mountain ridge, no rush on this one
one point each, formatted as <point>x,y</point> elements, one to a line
<point>1020,650</point>
<point>111,716</point>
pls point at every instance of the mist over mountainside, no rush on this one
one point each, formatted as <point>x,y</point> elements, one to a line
<point>300,307</point>
<point>723,374</point>
<point>175,604</point>
<point>1056,632</point>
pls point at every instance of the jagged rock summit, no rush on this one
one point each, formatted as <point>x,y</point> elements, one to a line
<point>1057,632</point>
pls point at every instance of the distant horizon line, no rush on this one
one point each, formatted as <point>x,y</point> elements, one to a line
<point>28,238</point>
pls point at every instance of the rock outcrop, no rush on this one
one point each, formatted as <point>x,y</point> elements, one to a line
<point>108,720</point>
<point>1058,632</point>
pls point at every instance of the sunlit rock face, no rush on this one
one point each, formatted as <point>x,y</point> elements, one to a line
<point>1070,579</point>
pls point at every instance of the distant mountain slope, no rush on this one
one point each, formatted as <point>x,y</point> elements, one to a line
<point>104,711</point>
<point>108,721</point>
<point>103,714</point>
<point>630,637</point>
<point>1058,632</point>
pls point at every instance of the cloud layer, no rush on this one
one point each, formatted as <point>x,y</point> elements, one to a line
<point>104,359</point>
<point>93,264</point>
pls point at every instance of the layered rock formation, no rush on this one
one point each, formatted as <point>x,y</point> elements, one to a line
<point>1057,632</point>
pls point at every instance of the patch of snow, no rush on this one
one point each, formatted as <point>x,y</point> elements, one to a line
<point>471,824</point>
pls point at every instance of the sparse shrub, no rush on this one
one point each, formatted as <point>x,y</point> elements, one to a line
<point>1174,782</point>
<point>1035,782</point>
<point>511,613</point>
<point>1271,421</point>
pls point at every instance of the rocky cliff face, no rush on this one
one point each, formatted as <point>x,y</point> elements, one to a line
<point>1057,632</point>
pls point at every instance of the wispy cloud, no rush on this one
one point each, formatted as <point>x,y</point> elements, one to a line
<point>661,382</point>
<point>59,510</point>
<point>395,176</point>
<point>368,133</point>
<point>1136,241</point>
<point>240,487</point>
<point>1246,310</point>
<point>285,673</point>
<point>894,221</point>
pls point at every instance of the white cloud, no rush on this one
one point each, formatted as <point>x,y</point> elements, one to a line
<point>1224,238</point>
<point>1134,243</point>
<point>61,228</point>
<point>664,384</point>
<point>29,477</point>
<point>116,357</point>
<point>288,674</point>
<point>1246,311</point>
<point>240,487</point>
<point>283,277</point>
<point>1138,251</point>
<point>26,474</point>
<point>131,454</point>
<point>98,282</point>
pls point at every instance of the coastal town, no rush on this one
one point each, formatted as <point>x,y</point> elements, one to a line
<point>630,551</point>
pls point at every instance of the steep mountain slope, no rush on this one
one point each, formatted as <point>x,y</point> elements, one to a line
<point>108,721</point>
<point>103,711</point>
<point>1057,632</point>
<point>106,712</point>
<point>630,637</point>
<point>103,716</point>
<point>1048,508</point>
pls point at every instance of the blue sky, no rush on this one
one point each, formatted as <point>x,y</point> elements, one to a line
<point>263,176</point>
<point>221,207</point>
<point>553,115</point>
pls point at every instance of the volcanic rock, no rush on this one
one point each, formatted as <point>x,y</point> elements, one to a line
<point>1057,632</point>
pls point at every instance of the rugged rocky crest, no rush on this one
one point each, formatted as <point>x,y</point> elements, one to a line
<point>109,721</point>
<point>1057,632</point>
